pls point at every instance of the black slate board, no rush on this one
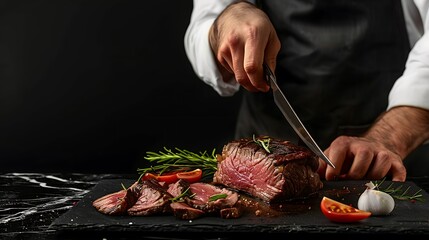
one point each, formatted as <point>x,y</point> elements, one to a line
<point>407,217</point>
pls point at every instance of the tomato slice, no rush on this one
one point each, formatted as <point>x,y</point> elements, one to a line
<point>167,177</point>
<point>340,212</point>
<point>191,176</point>
<point>172,177</point>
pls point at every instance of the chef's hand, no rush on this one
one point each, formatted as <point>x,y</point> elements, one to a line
<point>361,158</point>
<point>242,39</point>
<point>380,151</point>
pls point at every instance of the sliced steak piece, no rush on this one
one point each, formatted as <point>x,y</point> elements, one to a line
<point>287,172</point>
<point>181,190</point>
<point>178,188</point>
<point>182,210</point>
<point>201,193</point>
<point>117,203</point>
<point>153,199</point>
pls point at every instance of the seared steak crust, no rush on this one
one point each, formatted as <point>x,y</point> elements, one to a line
<point>287,172</point>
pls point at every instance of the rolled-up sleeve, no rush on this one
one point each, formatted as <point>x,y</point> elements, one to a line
<point>412,88</point>
<point>197,47</point>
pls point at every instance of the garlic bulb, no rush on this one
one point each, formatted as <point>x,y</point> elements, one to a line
<point>375,201</point>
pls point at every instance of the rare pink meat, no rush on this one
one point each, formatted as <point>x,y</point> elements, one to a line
<point>287,172</point>
<point>117,203</point>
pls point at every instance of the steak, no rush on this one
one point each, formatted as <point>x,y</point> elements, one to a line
<point>117,203</point>
<point>199,200</point>
<point>153,199</point>
<point>180,209</point>
<point>183,199</point>
<point>202,194</point>
<point>285,172</point>
<point>183,211</point>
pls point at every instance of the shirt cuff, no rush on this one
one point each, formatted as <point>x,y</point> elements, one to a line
<point>412,88</point>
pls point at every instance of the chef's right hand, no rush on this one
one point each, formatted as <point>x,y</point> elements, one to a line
<point>242,39</point>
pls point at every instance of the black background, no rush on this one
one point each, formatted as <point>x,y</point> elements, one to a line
<point>91,86</point>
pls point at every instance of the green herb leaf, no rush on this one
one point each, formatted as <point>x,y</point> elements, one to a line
<point>263,142</point>
<point>217,196</point>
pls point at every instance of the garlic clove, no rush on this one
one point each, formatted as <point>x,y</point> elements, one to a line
<point>376,202</point>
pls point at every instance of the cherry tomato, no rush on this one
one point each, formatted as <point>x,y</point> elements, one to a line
<point>191,176</point>
<point>166,177</point>
<point>340,212</point>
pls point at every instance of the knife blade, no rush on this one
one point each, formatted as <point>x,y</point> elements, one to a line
<point>292,118</point>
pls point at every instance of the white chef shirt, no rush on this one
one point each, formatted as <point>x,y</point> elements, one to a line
<point>411,89</point>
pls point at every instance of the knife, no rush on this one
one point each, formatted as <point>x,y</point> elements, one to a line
<point>293,119</point>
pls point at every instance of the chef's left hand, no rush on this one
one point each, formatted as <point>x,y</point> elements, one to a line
<point>361,158</point>
<point>380,151</point>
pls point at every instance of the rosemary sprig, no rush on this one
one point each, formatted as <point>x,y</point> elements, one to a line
<point>263,142</point>
<point>179,159</point>
<point>398,193</point>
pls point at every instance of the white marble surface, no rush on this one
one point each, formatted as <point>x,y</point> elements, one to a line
<point>29,202</point>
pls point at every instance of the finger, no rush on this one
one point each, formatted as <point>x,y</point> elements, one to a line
<point>337,156</point>
<point>360,164</point>
<point>226,63</point>
<point>399,172</point>
<point>386,163</point>
<point>229,57</point>
<point>224,57</point>
<point>241,74</point>
<point>253,61</point>
<point>271,50</point>
<point>380,166</point>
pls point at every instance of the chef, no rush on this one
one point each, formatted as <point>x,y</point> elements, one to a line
<point>355,72</point>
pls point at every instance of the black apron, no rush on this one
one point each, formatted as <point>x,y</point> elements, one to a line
<point>337,64</point>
